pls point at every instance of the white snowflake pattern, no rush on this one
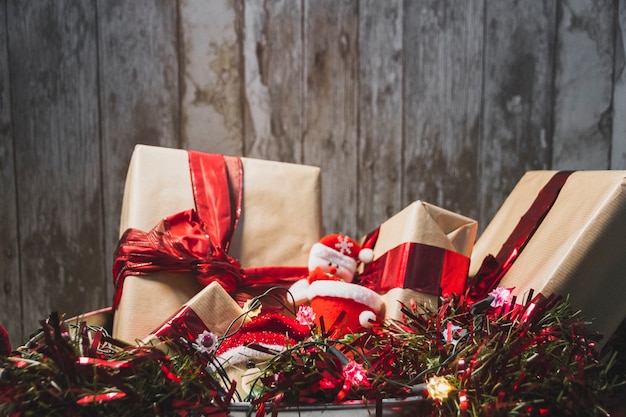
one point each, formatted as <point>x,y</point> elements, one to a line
<point>206,342</point>
<point>343,245</point>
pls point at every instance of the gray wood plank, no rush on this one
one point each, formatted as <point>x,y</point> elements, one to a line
<point>583,85</point>
<point>139,94</point>
<point>519,42</point>
<point>52,46</point>
<point>272,52</point>
<point>210,73</point>
<point>380,112</point>
<point>330,107</point>
<point>443,70</point>
<point>618,131</point>
<point>10,282</point>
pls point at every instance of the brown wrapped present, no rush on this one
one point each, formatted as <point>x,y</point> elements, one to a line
<point>561,233</point>
<point>419,253</point>
<point>208,315</point>
<point>246,213</point>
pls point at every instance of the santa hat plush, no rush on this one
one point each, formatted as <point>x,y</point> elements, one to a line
<point>339,251</point>
<point>363,307</point>
<point>272,331</point>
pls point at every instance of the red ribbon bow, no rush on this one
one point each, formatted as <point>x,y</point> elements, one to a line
<point>178,243</point>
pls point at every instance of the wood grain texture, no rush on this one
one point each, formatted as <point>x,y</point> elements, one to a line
<point>10,282</point>
<point>518,73</point>
<point>618,130</point>
<point>210,72</point>
<point>272,54</point>
<point>380,113</point>
<point>330,107</point>
<point>139,95</point>
<point>583,85</point>
<point>52,45</point>
<point>443,70</point>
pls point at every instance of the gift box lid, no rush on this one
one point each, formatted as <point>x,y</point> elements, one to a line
<point>423,222</point>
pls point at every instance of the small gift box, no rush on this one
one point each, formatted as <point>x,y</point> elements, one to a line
<point>420,253</point>
<point>182,205</point>
<point>210,314</point>
<point>560,233</point>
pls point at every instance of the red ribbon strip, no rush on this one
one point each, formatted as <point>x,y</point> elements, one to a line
<point>184,323</point>
<point>418,266</point>
<point>217,183</point>
<point>493,269</point>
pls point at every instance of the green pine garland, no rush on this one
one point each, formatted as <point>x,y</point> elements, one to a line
<point>536,359</point>
<point>91,374</point>
<point>533,359</point>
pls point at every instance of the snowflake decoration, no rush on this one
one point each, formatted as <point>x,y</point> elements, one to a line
<point>501,296</point>
<point>355,374</point>
<point>305,315</point>
<point>344,245</point>
<point>206,342</point>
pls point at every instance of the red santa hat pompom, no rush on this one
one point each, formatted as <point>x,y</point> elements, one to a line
<point>339,252</point>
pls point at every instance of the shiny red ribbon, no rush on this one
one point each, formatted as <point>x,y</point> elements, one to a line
<point>217,183</point>
<point>179,243</point>
<point>493,268</point>
<point>184,323</point>
<point>417,266</point>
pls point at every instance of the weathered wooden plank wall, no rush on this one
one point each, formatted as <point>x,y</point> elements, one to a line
<point>440,100</point>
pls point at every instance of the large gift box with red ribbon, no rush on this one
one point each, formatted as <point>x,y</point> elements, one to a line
<point>419,253</point>
<point>192,218</point>
<point>560,233</point>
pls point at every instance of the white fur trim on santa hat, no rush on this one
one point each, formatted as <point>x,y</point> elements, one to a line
<point>241,354</point>
<point>358,293</point>
<point>323,252</point>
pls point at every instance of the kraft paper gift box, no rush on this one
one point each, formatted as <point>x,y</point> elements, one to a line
<point>577,250</point>
<point>418,253</point>
<point>279,220</point>
<point>198,317</point>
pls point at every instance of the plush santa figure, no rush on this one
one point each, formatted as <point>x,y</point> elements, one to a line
<point>329,290</point>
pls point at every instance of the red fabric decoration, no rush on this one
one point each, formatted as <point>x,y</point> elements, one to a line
<point>179,243</point>
<point>5,344</point>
